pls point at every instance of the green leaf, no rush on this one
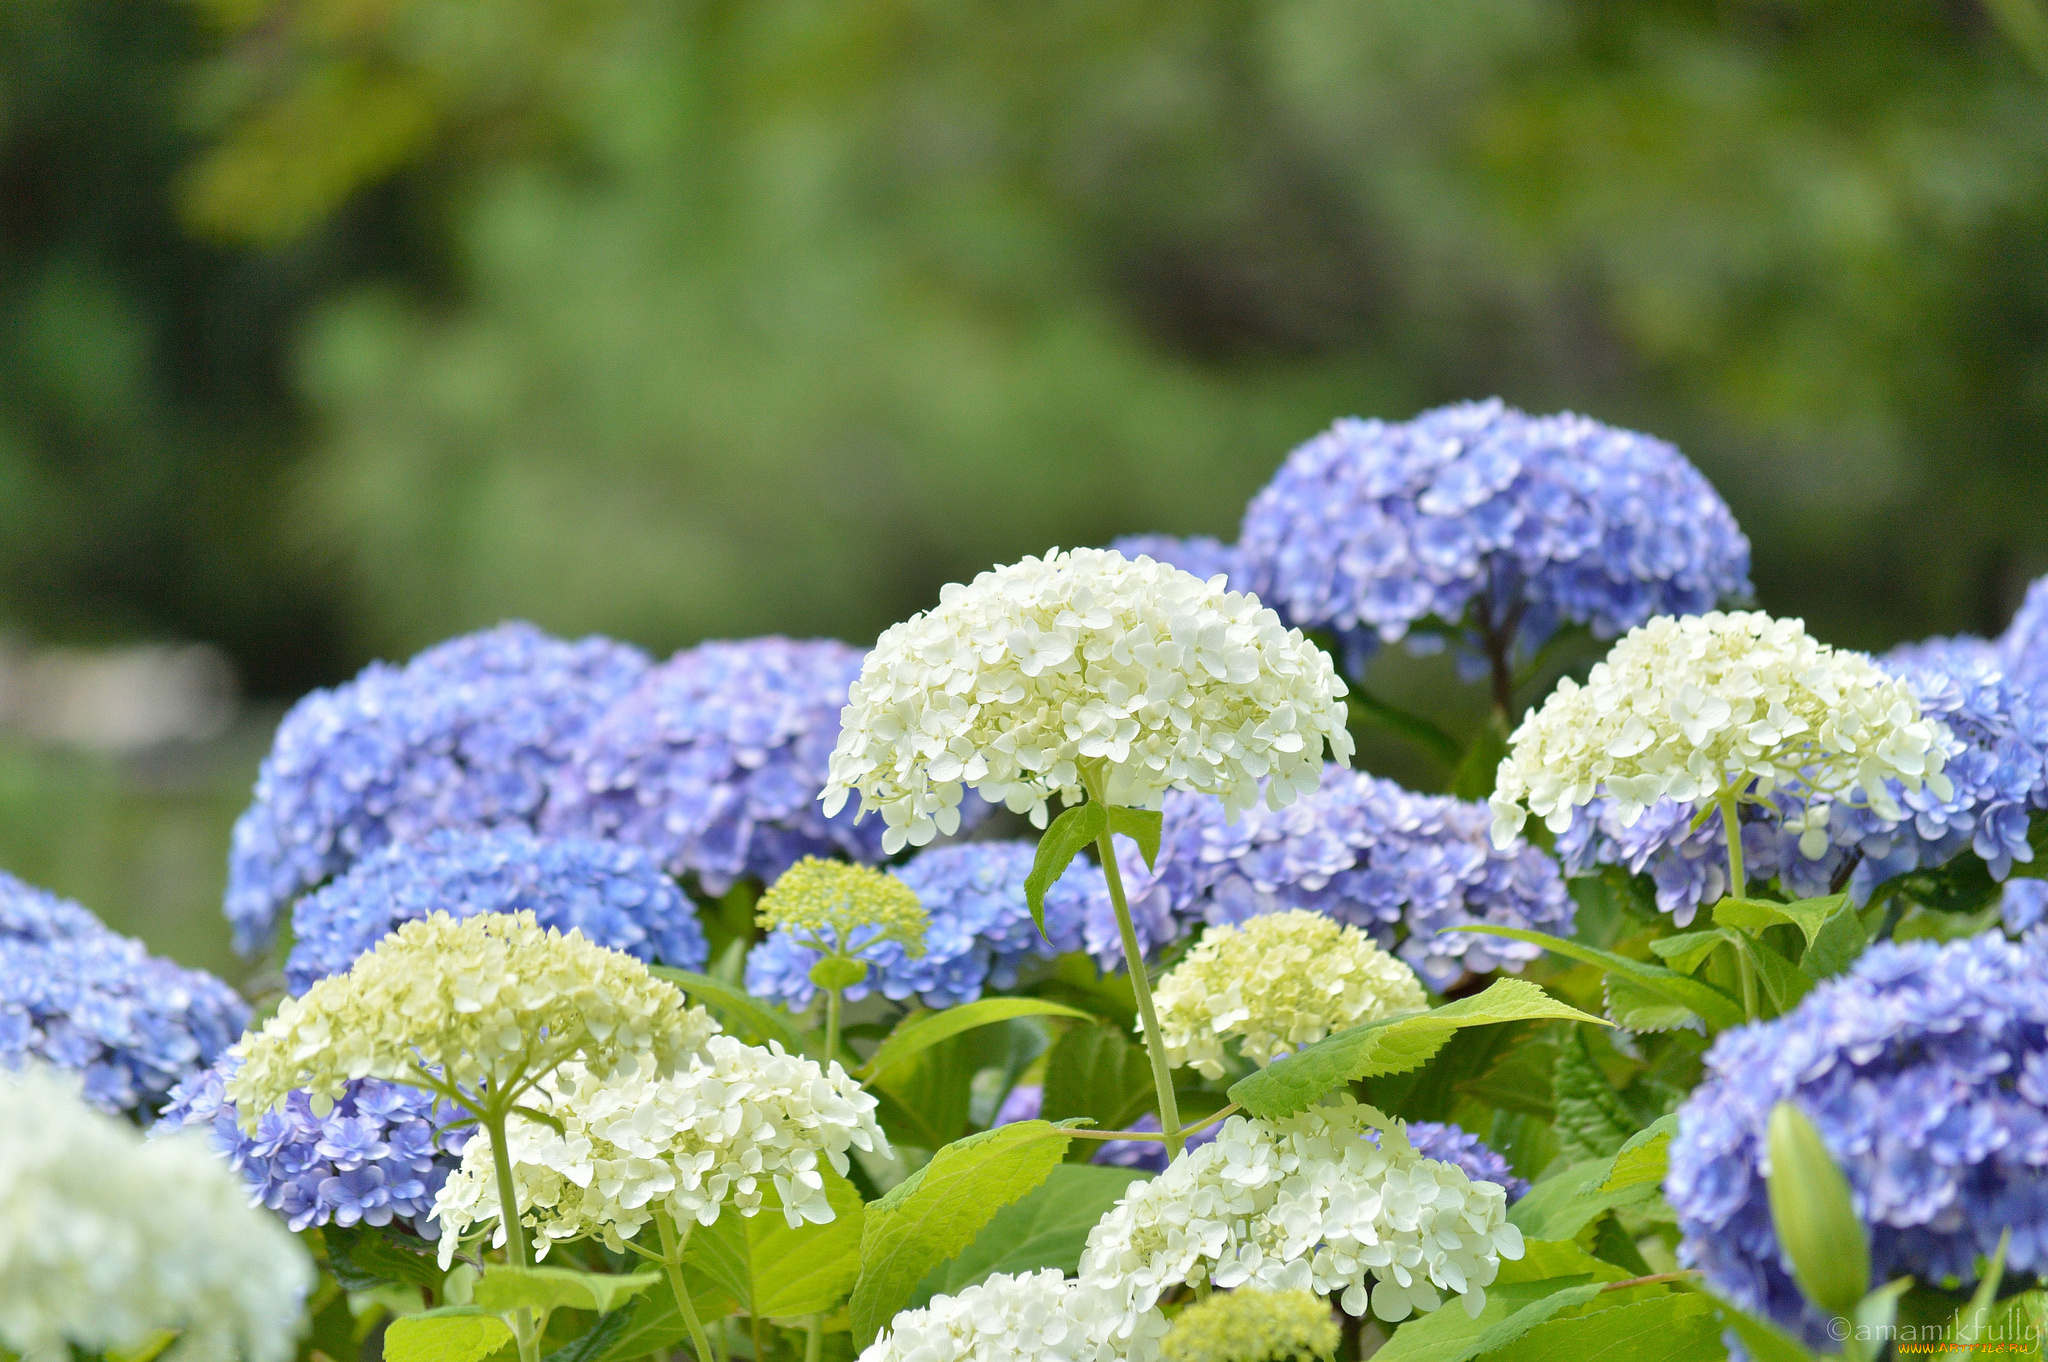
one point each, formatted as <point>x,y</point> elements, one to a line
<point>1391,1045</point>
<point>1635,1008</point>
<point>363,1259</point>
<point>600,1338</point>
<point>1784,984</point>
<point>1046,1228</point>
<point>1592,1121</point>
<point>1971,1322</point>
<point>1765,1341</point>
<point>1520,1079</point>
<point>1448,1334</point>
<point>1686,950</point>
<point>457,1333</point>
<point>1100,1073</point>
<point>939,1210</point>
<point>1543,1258</point>
<point>1839,944</point>
<point>1364,708</point>
<point>1061,843</point>
<point>1567,1201</point>
<point>655,1324</point>
<point>1645,1157</point>
<point>745,1016</point>
<point>1141,826</point>
<point>1833,931</point>
<point>1673,1328</point>
<point>926,1101</point>
<point>920,1031</point>
<point>1480,766</point>
<point>773,1270</point>
<point>505,1287</point>
<point>1716,1008</point>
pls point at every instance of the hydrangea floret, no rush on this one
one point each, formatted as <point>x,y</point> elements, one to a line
<point>1250,1325</point>
<point>1029,1317</point>
<point>108,1239</point>
<point>736,1123</point>
<point>1307,1203</point>
<point>614,895</point>
<point>1278,982</point>
<point>714,761</point>
<point>1925,1070</point>
<point>465,735</point>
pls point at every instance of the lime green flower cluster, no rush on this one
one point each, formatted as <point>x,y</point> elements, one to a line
<point>1254,1326</point>
<point>839,909</point>
<point>479,1009</point>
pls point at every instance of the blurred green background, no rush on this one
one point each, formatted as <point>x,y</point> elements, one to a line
<point>334,327</point>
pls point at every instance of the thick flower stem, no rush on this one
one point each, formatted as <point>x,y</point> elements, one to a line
<point>831,1025</point>
<point>517,1250</point>
<point>1738,881</point>
<point>672,1245</point>
<point>1141,988</point>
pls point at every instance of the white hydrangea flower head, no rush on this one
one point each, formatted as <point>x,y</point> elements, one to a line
<point>1309,1204</point>
<point>1278,982</point>
<point>1248,1325</point>
<point>487,1001</point>
<point>1084,660</point>
<point>1682,707</point>
<point>1030,1317</point>
<point>107,1238</point>
<point>736,1122</point>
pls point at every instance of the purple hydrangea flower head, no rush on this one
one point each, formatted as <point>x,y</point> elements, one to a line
<point>465,735</point>
<point>82,997</point>
<point>980,932</point>
<point>379,1156</point>
<point>1527,523</point>
<point>1925,1068</point>
<point>1199,554</point>
<point>1402,866</point>
<point>1026,1100</point>
<point>611,892</point>
<point>715,761</point>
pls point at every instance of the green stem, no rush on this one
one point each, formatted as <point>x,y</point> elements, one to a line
<point>524,1333</point>
<point>831,1024</point>
<point>1141,988</point>
<point>1738,879</point>
<point>1746,968</point>
<point>814,1339</point>
<point>672,1245</point>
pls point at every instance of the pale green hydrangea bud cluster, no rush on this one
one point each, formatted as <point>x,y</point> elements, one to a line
<point>842,910</point>
<point>734,1123</point>
<point>1030,1317</point>
<point>1254,1326</point>
<point>485,1003</point>
<point>1682,707</point>
<point>107,1239</point>
<point>1033,672</point>
<point>1309,1204</point>
<point>1278,982</point>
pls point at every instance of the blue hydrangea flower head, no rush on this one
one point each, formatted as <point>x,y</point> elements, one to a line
<point>613,893</point>
<point>379,1156</point>
<point>1528,523</point>
<point>1199,554</point>
<point>466,735</point>
<point>978,937</point>
<point>1399,865</point>
<point>77,995</point>
<point>1925,1069</point>
<point>2023,905</point>
<point>715,761</point>
<point>1455,1144</point>
<point>2023,647</point>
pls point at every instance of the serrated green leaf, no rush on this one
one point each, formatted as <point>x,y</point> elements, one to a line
<point>505,1287</point>
<point>1100,1073</point>
<point>743,1015</point>
<point>926,1101</point>
<point>1567,1201</point>
<point>1636,1008</point>
<point>1448,1334</point>
<point>1840,943</point>
<point>938,1211</point>
<point>1141,826</point>
<point>1048,1227</point>
<point>1391,1045</point>
<point>1675,1328</point>
<point>1645,1157</point>
<point>1057,848</point>
<point>363,1259</point>
<point>1592,1121</point>
<point>600,1338</point>
<point>1684,951</point>
<point>773,1270</point>
<point>1833,931</point>
<point>1784,984</point>
<point>920,1031</point>
<point>1716,1008</point>
<point>458,1333</point>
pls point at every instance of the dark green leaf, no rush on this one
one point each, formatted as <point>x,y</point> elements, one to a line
<point>745,1016</point>
<point>1392,1045</point>
<point>1141,826</point>
<point>1062,842</point>
<point>1480,765</point>
<point>601,1337</point>
<point>1519,1080</point>
<point>1674,1328</point>
<point>363,1259</point>
<point>938,1211</point>
<point>1592,1121</point>
<point>926,1101</point>
<point>1047,1228</point>
<point>1715,1007</point>
<point>1783,983</point>
<point>656,1323</point>
<point>1378,713</point>
<point>1100,1073</point>
<point>920,1031</point>
<point>1433,1092</point>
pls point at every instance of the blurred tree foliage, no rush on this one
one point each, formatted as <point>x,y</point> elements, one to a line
<point>674,319</point>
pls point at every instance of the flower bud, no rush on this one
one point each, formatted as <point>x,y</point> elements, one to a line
<point>839,971</point>
<point>1814,1214</point>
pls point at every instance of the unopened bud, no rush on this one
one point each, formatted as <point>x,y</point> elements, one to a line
<point>1815,1215</point>
<point>838,971</point>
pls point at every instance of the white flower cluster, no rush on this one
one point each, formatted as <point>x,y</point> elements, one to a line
<point>734,1122</point>
<point>1681,707</point>
<point>1019,681</point>
<point>106,1239</point>
<point>1280,981</point>
<point>1032,1317</point>
<point>1309,1203</point>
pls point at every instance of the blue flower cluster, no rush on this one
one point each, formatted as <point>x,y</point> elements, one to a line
<point>1535,521</point>
<point>1926,1070</point>
<point>715,761</point>
<point>466,735</point>
<point>2023,647</point>
<point>1399,865</point>
<point>1198,554</point>
<point>980,932</point>
<point>80,996</point>
<point>614,894</point>
<point>381,1154</point>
